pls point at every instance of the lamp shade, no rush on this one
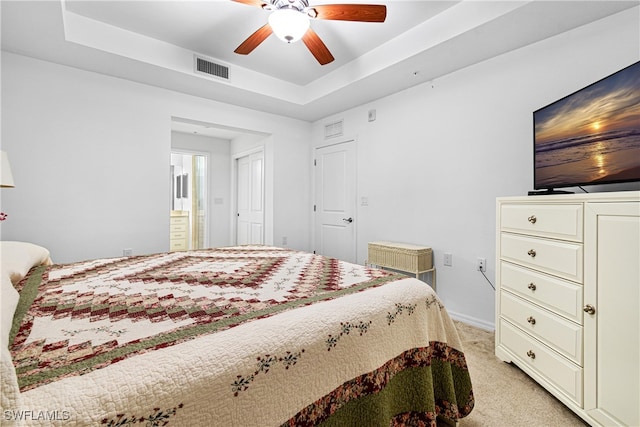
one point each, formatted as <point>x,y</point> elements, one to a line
<point>289,24</point>
<point>6,179</point>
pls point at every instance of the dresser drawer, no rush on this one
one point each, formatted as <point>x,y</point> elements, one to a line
<point>557,332</point>
<point>558,221</point>
<point>563,259</point>
<point>181,235</point>
<point>534,355</point>
<point>179,220</point>
<point>178,245</point>
<point>178,227</point>
<point>558,295</point>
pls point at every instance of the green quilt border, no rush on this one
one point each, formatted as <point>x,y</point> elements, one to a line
<point>440,390</point>
<point>28,293</point>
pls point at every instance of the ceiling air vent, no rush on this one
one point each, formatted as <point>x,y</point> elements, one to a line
<point>331,130</point>
<point>204,66</point>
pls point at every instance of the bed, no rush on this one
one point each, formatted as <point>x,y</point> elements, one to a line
<point>234,336</point>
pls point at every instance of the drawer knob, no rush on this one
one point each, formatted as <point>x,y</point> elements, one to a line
<point>531,320</point>
<point>532,286</point>
<point>589,309</point>
<point>532,253</point>
<point>532,219</point>
<point>531,354</point>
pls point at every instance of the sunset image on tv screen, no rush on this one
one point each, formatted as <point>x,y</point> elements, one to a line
<point>591,136</point>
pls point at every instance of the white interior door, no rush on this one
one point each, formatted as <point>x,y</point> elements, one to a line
<point>250,199</point>
<point>335,207</point>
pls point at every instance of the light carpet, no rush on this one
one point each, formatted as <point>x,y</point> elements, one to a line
<point>504,395</point>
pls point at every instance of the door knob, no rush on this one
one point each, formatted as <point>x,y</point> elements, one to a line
<point>348,220</point>
<point>589,309</point>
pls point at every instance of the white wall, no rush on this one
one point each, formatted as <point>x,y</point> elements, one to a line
<point>90,158</point>
<point>438,154</point>
<point>219,182</point>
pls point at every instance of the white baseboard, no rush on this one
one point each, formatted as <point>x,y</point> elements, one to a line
<point>472,321</point>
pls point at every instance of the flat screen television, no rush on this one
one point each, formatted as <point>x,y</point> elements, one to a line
<point>591,136</point>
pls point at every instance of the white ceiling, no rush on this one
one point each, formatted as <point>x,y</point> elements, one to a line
<point>154,42</point>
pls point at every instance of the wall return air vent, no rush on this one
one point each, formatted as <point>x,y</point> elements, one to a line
<point>331,130</point>
<point>205,66</point>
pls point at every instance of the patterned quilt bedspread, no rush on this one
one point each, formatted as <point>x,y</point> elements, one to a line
<point>238,336</point>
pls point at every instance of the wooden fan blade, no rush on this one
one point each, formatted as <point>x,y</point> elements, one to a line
<point>352,12</point>
<point>257,3</point>
<point>254,40</point>
<point>317,47</point>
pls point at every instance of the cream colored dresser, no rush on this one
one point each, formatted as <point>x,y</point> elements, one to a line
<point>179,231</point>
<point>568,299</point>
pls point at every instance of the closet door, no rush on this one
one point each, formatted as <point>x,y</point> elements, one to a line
<point>250,199</point>
<point>335,201</point>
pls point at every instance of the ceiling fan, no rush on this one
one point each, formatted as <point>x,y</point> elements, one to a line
<point>290,21</point>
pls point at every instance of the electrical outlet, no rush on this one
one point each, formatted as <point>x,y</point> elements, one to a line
<point>127,252</point>
<point>284,240</point>
<point>481,264</point>
<point>448,259</point>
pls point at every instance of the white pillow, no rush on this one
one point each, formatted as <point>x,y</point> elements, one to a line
<point>17,258</point>
<point>8,302</point>
<point>9,297</point>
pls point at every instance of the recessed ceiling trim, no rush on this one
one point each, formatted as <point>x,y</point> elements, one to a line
<point>462,17</point>
<point>108,38</point>
<point>60,32</point>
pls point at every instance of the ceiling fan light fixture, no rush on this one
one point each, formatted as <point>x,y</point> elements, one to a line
<point>289,25</point>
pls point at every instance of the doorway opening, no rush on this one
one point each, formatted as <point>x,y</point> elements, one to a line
<point>189,213</point>
<point>222,146</point>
